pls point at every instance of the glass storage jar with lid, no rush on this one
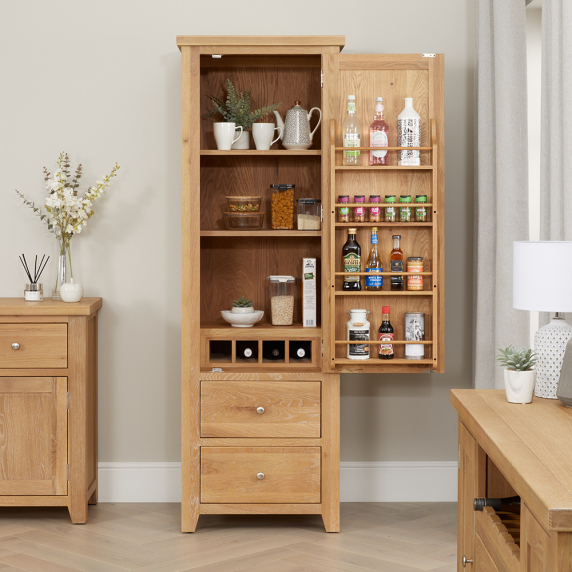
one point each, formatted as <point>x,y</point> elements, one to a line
<point>282,206</point>
<point>281,294</point>
<point>309,214</point>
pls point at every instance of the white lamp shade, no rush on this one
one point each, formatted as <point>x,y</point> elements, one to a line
<point>542,276</point>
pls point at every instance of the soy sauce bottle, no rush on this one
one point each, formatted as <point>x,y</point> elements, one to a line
<point>351,261</point>
<point>385,334</point>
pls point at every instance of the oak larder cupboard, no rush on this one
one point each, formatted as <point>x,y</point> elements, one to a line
<point>48,404</point>
<point>506,450</point>
<point>260,436</point>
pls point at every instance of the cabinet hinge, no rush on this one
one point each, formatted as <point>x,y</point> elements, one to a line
<point>68,472</point>
<point>217,370</point>
<point>321,213</point>
<point>321,78</point>
<point>322,346</point>
<point>68,400</point>
<point>429,55</point>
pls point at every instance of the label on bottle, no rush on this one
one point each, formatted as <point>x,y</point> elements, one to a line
<point>396,266</point>
<point>345,210</point>
<point>386,349</point>
<point>352,140</point>
<point>374,281</point>
<point>352,263</point>
<point>409,135</point>
<point>358,349</point>
<point>374,237</point>
<point>378,139</point>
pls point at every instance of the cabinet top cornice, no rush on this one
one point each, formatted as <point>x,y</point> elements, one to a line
<point>261,41</point>
<point>48,307</point>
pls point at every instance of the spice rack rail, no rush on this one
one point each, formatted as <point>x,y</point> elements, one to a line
<point>257,153</point>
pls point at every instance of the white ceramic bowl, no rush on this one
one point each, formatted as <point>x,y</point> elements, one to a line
<point>242,320</point>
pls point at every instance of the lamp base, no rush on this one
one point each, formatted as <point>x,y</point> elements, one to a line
<point>550,344</point>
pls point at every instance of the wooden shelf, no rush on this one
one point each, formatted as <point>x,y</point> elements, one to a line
<point>383,168</point>
<point>377,362</point>
<point>264,232</point>
<point>263,330</point>
<point>384,148</point>
<point>257,153</point>
<point>340,225</point>
<point>384,293</point>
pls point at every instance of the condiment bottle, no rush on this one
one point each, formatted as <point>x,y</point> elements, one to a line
<point>359,212</point>
<point>374,211</point>
<point>415,281</point>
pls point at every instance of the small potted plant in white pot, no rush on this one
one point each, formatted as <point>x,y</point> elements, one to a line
<point>242,306</point>
<point>519,375</point>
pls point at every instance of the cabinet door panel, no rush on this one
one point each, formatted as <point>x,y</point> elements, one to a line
<point>467,493</point>
<point>33,435</point>
<point>534,550</point>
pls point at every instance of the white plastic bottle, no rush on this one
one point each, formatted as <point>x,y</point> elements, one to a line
<point>409,134</point>
<point>358,331</point>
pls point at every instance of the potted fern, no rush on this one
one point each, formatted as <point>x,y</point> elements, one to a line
<point>236,109</point>
<point>519,375</point>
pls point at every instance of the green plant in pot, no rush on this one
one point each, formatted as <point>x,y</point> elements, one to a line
<point>242,306</point>
<point>236,109</point>
<point>519,375</point>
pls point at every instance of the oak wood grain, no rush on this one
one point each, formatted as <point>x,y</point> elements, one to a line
<point>48,307</point>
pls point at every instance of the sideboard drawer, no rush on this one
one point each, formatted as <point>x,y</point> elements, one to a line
<point>260,474</point>
<point>33,345</point>
<point>260,409</point>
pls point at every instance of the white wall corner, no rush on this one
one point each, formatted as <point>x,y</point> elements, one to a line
<point>386,481</point>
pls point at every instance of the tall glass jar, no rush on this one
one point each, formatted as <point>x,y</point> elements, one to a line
<point>282,206</point>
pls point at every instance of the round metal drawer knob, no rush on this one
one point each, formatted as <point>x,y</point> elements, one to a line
<point>260,410</point>
<point>15,346</point>
<point>260,476</point>
<point>466,561</point>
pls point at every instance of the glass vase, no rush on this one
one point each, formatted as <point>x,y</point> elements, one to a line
<point>64,267</point>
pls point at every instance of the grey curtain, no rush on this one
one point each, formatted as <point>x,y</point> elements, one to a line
<point>501,198</point>
<point>556,136</point>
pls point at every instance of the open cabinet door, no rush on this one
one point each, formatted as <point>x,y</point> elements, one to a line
<point>393,77</point>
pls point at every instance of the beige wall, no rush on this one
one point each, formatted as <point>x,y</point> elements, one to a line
<point>101,80</point>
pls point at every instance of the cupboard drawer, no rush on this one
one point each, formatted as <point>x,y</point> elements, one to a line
<point>260,409</point>
<point>260,474</point>
<point>33,345</point>
<point>499,538</point>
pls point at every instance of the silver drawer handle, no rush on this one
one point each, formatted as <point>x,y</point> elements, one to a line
<point>15,346</point>
<point>466,561</point>
<point>260,476</point>
<point>260,410</point>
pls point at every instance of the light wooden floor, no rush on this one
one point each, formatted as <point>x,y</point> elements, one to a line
<point>380,537</point>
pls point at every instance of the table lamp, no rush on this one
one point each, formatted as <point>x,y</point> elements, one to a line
<point>542,281</point>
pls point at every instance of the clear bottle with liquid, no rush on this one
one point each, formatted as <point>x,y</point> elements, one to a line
<point>409,134</point>
<point>378,131</point>
<point>351,133</point>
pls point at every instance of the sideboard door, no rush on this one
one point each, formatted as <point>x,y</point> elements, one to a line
<point>33,435</point>
<point>535,545</point>
<point>467,493</point>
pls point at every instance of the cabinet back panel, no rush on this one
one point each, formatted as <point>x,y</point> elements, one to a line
<point>268,84</point>
<point>234,266</point>
<point>239,175</point>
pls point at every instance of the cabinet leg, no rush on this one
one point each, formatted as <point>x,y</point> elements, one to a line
<point>93,497</point>
<point>189,522</point>
<point>331,521</point>
<point>78,512</point>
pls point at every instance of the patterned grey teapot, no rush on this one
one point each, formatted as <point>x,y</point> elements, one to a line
<point>295,133</point>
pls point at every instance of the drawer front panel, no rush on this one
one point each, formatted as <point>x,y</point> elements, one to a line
<point>260,474</point>
<point>260,409</point>
<point>33,345</point>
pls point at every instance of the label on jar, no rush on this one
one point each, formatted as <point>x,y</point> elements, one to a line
<point>352,263</point>
<point>344,210</point>
<point>405,214</point>
<point>359,211</point>
<point>374,281</point>
<point>359,349</point>
<point>386,349</point>
<point>374,211</point>
<point>415,280</point>
<point>379,139</point>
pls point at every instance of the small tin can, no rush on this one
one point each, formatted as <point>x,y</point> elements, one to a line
<point>344,212</point>
<point>374,211</point>
<point>415,281</point>
<point>359,212</point>
<point>420,211</point>
<point>390,211</point>
<point>414,331</point>
<point>405,212</point>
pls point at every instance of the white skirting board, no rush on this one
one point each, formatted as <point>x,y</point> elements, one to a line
<point>386,481</point>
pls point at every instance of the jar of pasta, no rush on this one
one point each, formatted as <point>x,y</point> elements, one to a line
<point>282,203</point>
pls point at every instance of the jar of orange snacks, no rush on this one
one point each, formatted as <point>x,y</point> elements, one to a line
<point>282,203</point>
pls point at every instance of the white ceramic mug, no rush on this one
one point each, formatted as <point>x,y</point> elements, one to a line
<point>224,135</point>
<point>263,133</point>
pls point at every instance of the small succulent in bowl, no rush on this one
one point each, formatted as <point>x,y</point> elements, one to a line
<point>519,375</point>
<point>242,306</point>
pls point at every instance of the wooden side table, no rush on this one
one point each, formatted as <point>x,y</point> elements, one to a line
<point>48,404</point>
